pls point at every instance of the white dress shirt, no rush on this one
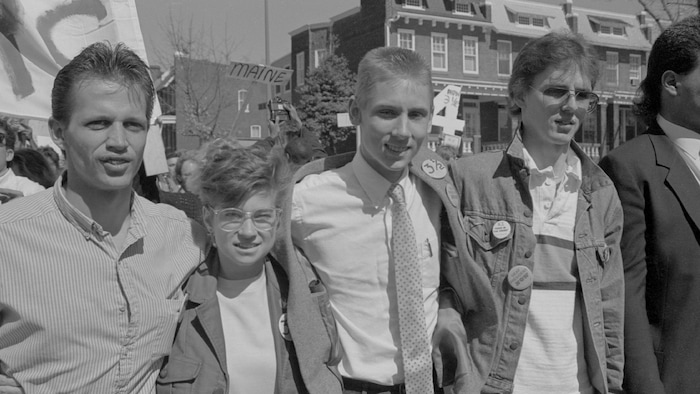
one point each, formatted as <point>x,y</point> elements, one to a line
<point>341,219</point>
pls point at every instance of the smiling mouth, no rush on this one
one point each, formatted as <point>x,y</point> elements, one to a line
<point>396,149</point>
<point>116,162</point>
<point>246,246</point>
<point>565,122</point>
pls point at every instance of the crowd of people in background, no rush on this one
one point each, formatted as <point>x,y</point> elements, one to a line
<point>274,268</point>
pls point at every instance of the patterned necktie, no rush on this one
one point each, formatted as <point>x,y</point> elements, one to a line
<point>415,346</point>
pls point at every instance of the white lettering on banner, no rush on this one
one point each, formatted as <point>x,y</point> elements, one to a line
<point>448,99</point>
<point>259,73</point>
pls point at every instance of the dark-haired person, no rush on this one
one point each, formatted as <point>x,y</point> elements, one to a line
<point>12,185</point>
<point>657,177</point>
<point>90,289</point>
<point>545,222</point>
<point>32,165</point>
<point>53,159</point>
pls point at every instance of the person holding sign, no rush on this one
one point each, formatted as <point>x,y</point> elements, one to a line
<point>371,225</point>
<point>545,222</point>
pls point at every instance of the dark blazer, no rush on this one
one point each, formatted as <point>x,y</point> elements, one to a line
<point>462,355</point>
<point>197,360</point>
<point>661,253</point>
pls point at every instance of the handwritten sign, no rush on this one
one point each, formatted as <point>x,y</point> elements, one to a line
<point>259,73</point>
<point>448,100</point>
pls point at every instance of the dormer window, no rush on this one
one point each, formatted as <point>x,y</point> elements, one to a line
<point>607,26</point>
<point>527,16</point>
<point>531,20</point>
<point>464,7</point>
<point>413,3</point>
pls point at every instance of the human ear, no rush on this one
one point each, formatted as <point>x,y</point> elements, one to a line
<point>57,131</point>
<point>354,111</point>
<point>669,82</point>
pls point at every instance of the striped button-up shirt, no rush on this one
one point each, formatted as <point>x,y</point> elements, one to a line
<point>78,315</point>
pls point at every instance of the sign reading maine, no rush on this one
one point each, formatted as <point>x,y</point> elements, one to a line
<point>259,73</point>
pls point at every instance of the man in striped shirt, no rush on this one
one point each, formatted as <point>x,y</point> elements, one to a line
<point>91,279</point>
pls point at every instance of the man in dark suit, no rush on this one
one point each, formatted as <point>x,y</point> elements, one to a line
<point>657,178</point>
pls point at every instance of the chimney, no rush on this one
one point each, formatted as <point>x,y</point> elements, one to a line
<point>571,18</point>
<point>487,10</point>
<point>644,26</point>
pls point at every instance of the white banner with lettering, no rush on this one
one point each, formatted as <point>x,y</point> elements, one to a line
<point>38,37</point>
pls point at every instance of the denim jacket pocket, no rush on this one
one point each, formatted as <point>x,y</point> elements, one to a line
<point>488,237</point>
<point>178,376</point>
<point>320,296</point>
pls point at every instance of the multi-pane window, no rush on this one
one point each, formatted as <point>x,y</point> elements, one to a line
<point>612,30</point>
<point>439,51</point>
<point>464,8</point>
<point>635,68</point>
<point>288,85</point>
<point>504,57</point>
<point>407,39</point>
<point>529,20</point>
<point>255,131</point>
<point>589,133</point>
<point>414,3</point>
<point>470,52</point>
<point>301,67</point>
<point>242,96</point>
<point>612,65</point>
<point>319,57</point>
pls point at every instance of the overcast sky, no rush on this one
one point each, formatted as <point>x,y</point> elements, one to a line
<point>244,20</point>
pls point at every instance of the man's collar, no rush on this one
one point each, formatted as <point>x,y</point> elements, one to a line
<point>374,184</point>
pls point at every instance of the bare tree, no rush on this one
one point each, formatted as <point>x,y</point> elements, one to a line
<point>665,12</point>
<point>200,64</point>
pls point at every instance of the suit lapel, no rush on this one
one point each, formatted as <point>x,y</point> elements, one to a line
<point>679,178</point>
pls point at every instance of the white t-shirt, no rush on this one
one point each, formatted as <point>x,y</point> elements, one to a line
<point>250,346</point>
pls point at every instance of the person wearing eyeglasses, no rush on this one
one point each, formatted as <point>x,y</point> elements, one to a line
<point>232,336</point>
<point>544,221</point>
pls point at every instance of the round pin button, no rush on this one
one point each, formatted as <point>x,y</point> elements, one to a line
<point>434,168</point>
<point>284,328</point>
<point>501,229</point>
<point>520,277</point>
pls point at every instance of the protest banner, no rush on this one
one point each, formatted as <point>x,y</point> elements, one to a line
<point>38,37</point>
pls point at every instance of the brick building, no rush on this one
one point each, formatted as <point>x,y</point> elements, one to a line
<point>472,44</point>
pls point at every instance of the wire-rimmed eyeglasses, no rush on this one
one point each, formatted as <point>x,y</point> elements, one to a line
<point>561,95</point>
<point>232,219</point>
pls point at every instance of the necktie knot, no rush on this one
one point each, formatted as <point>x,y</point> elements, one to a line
<point>396,193</point>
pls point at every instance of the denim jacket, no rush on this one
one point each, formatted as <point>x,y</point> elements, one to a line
<point>494,187</point>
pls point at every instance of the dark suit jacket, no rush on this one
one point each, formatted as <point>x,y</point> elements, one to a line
<point>661,253</point>
<point>461,354</point>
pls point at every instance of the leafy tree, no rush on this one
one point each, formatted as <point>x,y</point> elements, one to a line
<point>325,93</point>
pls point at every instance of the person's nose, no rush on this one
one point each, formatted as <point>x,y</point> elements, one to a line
<point>247,229</point>
<point>570,103</point>
<point>402,128</point>
<point>117,137</point>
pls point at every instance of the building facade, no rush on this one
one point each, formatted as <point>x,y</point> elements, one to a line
<point>472,44</point>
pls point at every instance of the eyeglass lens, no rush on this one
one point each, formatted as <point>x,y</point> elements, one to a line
<point>231,219</point>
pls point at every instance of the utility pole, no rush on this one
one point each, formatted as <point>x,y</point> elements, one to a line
<point>267,50</point>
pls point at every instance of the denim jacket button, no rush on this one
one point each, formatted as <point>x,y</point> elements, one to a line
<point>527,214</point>
<point>522,300</point>
<point>513,346</point>
<point>528,254</point>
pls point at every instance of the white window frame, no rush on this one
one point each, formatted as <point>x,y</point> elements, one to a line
<point>612,30</point>
<point>469,5</point>
<point>433,52</point>
<point>400,39</point>
<point>255,131</point>
<point>612,65</point>
<point>319,56</point>
<point>288,85</point>
<point>413,4</point>
<point>301,68</point>
<point>636,68</point>
<point>475,55</point>
<point>510,57</point>
<point>529,20</point>
<point>242,95</point>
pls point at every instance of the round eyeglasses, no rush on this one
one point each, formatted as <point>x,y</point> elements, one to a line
<point>561,95</point>
<point>232,219</point>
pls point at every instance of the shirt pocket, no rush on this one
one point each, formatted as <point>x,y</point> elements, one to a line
<point>488,240</point>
